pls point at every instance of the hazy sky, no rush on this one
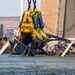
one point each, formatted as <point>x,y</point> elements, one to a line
<point>12,7</point>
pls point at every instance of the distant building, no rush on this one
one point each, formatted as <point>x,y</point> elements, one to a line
<point>1,30</point>
<point>9,24</point>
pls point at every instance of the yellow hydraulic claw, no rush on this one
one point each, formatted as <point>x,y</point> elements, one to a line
<point>32,24</point>
<point>42,33</point>
<point>35,34</point>
<point>27,25</point>
<point>27,22</point>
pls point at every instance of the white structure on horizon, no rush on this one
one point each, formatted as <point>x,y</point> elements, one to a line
<point>21,8</point>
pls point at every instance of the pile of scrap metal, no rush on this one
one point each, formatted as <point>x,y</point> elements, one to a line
<point>62,47</point>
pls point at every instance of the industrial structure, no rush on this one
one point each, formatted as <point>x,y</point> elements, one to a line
<point>58,16</point>
<point>59,24</point>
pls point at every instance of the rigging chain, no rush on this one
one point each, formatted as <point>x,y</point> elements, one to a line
<point>29,4</point>
<point>34,2</point>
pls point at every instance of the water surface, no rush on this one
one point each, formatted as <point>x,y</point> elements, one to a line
<point>39,65</point>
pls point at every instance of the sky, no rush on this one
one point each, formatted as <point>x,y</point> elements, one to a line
<point>12,7</point>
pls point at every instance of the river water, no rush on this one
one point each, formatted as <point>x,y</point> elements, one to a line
<point>38,65</point>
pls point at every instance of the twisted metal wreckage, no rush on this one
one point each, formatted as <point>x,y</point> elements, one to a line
<point>30,38</point>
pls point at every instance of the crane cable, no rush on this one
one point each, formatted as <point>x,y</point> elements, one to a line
<point>66,30</point>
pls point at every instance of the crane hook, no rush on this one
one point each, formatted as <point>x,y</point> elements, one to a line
<point>29,4</point>
<point>34,2</point>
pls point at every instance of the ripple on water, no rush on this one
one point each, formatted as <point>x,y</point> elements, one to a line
<point>19,65</point>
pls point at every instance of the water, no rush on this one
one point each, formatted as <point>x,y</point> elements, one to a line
<point>39,65</point>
